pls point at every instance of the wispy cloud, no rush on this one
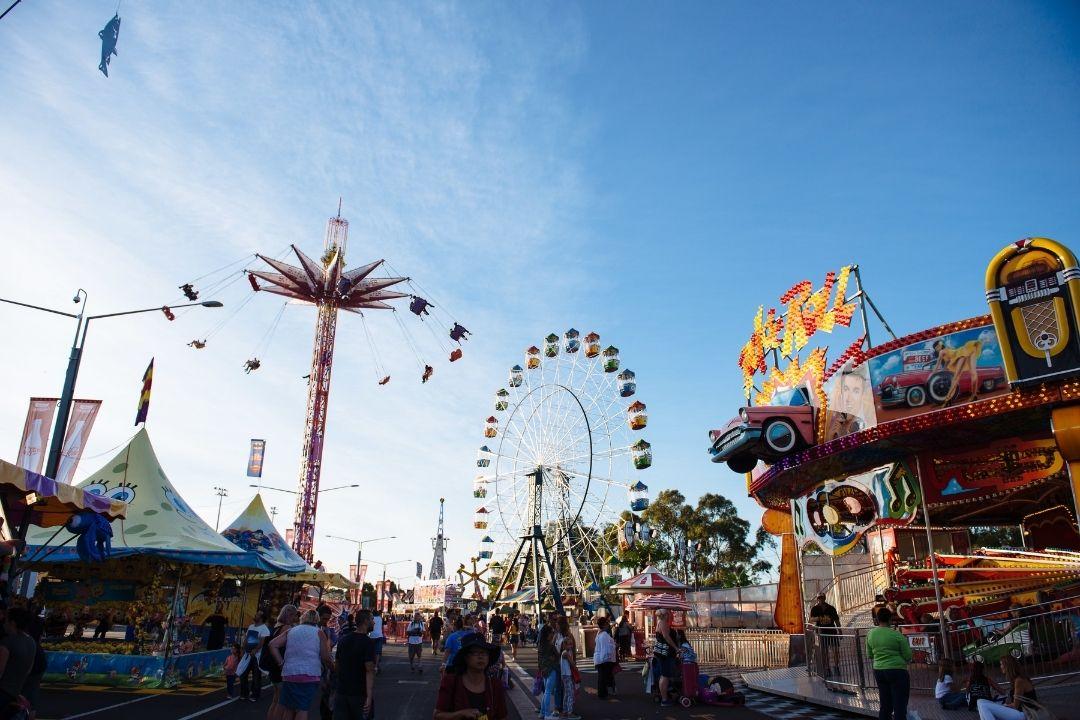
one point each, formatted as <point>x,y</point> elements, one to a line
<point>224,130</point>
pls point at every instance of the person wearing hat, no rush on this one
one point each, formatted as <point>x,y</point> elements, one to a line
<point>466,692</point>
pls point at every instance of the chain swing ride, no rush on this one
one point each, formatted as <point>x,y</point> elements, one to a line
<point>326,284</point>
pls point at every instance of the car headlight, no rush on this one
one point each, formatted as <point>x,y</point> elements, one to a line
<point>742,414</point>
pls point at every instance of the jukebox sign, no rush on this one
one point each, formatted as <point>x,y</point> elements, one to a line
<point>1033,289</point>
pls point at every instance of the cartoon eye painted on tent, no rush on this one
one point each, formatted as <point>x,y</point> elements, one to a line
<point>178,504</point>
<point>98,487</point>
<point>124,492</point>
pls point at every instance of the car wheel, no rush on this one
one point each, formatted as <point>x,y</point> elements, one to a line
<point>915,396</point>
<point>988,385</point>
<point>742,463</point>
<point>938,386</point>
<point>780,435</point>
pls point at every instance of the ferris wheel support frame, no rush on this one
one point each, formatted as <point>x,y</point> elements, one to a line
<point>536,542</point>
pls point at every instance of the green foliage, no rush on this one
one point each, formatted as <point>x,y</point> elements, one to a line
<point>995,537</point>
<point>720,551</point>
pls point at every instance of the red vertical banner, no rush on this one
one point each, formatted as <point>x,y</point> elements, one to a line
<point>83,414</point>
<point>35,438</point>
<point>361,574</point>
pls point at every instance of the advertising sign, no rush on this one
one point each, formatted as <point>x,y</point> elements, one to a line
<point>255,458</point>
<point>35,437</point>
<point>83,414</point>
<point>967,477</point>
<point>944,371</point>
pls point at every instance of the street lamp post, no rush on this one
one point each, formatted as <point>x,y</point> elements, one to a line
<point>82,326</point>
<point>360,552</point>
<point>380,598</point>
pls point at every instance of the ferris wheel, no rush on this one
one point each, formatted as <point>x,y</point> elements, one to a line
<point>561,456</point>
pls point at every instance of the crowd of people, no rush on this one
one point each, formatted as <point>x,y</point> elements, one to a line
<point>22,662</point>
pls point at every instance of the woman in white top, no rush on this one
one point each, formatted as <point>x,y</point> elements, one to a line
<point>604,658</point>
<point>307,651</point>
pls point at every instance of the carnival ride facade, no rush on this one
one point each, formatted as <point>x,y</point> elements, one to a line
<point>560,450</point>
<point>971,424</point>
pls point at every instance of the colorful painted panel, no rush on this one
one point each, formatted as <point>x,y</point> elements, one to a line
<point>107,594</point>
<point>836,514</point>
<point>141,671</point>
<point>978,474</point>
<point>938,372</point>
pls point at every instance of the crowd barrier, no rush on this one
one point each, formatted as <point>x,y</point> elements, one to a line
<point>1044,640</point>
<point>746,649</point>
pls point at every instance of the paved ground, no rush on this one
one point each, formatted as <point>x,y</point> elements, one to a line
<point>402,695</point>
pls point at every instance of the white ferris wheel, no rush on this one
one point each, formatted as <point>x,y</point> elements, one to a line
<point>561,456</point>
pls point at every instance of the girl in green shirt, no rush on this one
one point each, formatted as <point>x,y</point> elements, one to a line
<point>891,654</point>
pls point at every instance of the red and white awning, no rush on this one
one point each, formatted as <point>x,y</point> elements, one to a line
<point>650,580</point>
<point>660,601</point>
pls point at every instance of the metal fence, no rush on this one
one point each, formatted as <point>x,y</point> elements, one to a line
<point>748,649</point>
<point>855,590</point>
<point>1045,640</point>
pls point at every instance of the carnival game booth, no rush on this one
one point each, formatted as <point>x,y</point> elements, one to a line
<point>899,450</point>
<point>241,594</point>
<point>164,558</point>
<point>635,591</point>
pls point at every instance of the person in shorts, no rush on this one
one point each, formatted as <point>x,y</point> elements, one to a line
<point>355,681</point>
<point>435,627</point>
<point>498,627</point>
<point>376,634</point>
<point>414,632</point>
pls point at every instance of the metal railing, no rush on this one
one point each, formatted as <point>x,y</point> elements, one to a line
<point>1046,642</point>
<point>748,649</point>
<point>855,590</point>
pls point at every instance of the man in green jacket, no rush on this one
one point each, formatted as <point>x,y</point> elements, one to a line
<point>891,653</point>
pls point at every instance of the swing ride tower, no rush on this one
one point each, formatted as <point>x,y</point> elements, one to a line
<point>326,284</point>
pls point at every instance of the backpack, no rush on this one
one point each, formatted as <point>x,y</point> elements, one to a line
<point>267,663</point>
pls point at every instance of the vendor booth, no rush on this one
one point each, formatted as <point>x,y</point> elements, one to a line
<point>164,560</point>
<point>649,583</point>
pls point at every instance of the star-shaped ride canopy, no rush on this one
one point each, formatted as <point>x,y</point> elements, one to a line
<point>328,282</point>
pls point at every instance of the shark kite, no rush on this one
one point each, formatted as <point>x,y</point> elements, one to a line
<point>109,35</point>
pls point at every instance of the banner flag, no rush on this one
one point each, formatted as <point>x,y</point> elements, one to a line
<point>361,574</point>
<point>83,414</point>
<point>419,570</point>
<point>255,458</point>
<point>290,533</point>
<point>144,398</point>
<point>35,437</point>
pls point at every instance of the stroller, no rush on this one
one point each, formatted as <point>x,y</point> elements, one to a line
<point>718,690</point>
<point>684,687</point>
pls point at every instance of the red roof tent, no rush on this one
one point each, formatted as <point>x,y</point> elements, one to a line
<point>650,580</point>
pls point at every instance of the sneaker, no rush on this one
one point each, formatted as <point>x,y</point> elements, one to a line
<point>254,699</point>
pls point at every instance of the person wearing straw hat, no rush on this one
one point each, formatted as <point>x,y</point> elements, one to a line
<point>466,691</point>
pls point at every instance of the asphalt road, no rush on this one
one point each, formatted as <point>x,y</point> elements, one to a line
<point>399,695</point>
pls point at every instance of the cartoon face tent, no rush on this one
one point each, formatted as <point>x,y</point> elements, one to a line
<point>159,522</point>
<point>254,532</point>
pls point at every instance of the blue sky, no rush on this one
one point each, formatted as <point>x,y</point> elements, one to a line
<point>651,172</point>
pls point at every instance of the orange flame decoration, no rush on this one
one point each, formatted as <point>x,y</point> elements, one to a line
<point>808,312</point>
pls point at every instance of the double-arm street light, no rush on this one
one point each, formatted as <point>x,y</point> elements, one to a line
<point>82,326</point>
<point>360,549</point>
<point>295,492</point>
<point>380,601</point>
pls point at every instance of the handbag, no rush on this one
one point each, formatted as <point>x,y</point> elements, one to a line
<point>575,674</point>
<point>616,669</point>
<point>538,685</point>
<point>242,667</point>
<point>1036,711</point>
